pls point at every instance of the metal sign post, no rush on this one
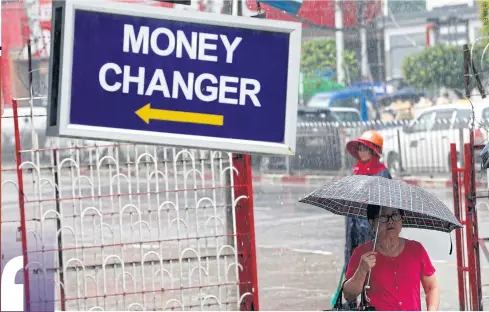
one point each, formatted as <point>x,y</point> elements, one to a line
<point>127,72</point>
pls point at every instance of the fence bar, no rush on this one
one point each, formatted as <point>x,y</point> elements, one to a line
<point>458,232</point>
<point>469,184</point>
<point>20,185</point>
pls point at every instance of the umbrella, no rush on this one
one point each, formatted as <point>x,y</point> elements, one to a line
<point>350,196</point>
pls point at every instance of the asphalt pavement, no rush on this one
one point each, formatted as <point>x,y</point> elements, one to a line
<point>300,248</point>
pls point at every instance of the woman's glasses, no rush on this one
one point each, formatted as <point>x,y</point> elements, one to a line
<point>395,217</point>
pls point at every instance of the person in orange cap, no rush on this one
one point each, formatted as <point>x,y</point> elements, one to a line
<point>367,150</point>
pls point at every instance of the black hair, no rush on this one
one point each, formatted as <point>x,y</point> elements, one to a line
<point>373,211</point>
<point>372,152</point>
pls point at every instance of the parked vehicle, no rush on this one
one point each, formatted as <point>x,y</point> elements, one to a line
<point>317,150</point>
<point>345,114</point>
<point>362,100</point>
<point>424,144</point>
<point>378,88</point>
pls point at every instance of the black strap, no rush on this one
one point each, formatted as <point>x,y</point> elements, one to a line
<point>451,244</point>
<point>339,300</point>
<point>364,305</point>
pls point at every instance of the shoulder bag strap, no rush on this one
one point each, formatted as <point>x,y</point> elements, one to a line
<point>364,305</point>
<point>338,305</point>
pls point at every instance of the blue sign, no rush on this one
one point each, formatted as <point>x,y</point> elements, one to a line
<point>290,6</point>
<point>173,77</point>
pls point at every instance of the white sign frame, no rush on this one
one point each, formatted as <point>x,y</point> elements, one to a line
<point>59,98</point>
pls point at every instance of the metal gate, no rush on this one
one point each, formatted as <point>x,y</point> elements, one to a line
<point>467,243</point>
<point>129,227</point>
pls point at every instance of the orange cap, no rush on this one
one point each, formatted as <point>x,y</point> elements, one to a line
<point>370,138</point>
<point>373,137</point>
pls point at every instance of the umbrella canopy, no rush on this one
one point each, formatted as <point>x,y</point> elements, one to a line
<point>350,196</point>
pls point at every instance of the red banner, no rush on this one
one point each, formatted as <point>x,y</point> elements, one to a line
<point>25,20</point>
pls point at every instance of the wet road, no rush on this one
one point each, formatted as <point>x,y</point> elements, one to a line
<point>300,249</point>
<point>300,255</point>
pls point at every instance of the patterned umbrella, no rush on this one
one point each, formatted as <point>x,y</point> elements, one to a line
<point>350,196</point>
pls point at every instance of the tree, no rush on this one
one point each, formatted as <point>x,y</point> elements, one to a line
<point>442,66</point>
<point>409,6</point>
<point>483,6</point>
<point>320,55</point>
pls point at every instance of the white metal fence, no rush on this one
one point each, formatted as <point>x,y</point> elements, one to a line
<point>409,148</point>
<point>124,227</point>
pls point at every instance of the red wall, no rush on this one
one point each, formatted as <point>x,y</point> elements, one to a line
<point>321,12</point>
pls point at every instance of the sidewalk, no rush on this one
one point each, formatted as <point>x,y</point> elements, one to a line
<point>421,181</point>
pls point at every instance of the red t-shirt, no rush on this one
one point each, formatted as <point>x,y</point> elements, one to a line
<point>395,283</point>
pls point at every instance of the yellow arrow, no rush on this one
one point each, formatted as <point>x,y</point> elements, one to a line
<point>146,113</point>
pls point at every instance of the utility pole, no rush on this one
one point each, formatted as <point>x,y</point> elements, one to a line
<point>380,38</point>
<point>338,21</point>
<point>363,40</point>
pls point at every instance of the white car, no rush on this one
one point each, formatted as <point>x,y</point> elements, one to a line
<point>423,145</point>
<point>346,114</point>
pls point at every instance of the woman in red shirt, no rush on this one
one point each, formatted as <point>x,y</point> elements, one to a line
<point>398,267</point>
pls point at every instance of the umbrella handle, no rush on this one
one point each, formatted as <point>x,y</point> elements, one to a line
<point>367,286</point>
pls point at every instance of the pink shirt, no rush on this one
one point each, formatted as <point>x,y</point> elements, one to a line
<point>395,283</point>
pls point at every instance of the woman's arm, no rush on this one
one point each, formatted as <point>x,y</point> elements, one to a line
<point>354,286</point>
<point>432,291</point>
<point>428,280</point>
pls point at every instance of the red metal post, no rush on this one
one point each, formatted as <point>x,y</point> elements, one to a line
<point>429,28</point>
<point>20,182</point>
<point>458,232</point>
<point>469,187</point>
<point>477,288</point>
<point>245,230</point>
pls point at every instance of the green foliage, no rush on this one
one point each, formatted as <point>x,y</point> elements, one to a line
<point>313,85</point>
<point>408,6</point>
<point>483,6</point>
<point>441,66</point>
<point>321,54</point>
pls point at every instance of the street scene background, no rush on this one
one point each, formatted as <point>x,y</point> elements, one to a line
<point>401,74</point>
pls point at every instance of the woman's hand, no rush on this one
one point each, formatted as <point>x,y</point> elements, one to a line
<point>354,286</point>
<point>367,262</point>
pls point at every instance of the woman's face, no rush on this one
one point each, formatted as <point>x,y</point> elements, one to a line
<point>389,222</point>
<point>364,153</point>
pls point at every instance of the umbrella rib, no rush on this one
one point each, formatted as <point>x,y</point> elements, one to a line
<point>400,193</point>
<point>411,194</point>
<point>422,206</point>
<point>378,186</point>
<point>349,198</point>
<point>390,195</point>
<point>369,196</point>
